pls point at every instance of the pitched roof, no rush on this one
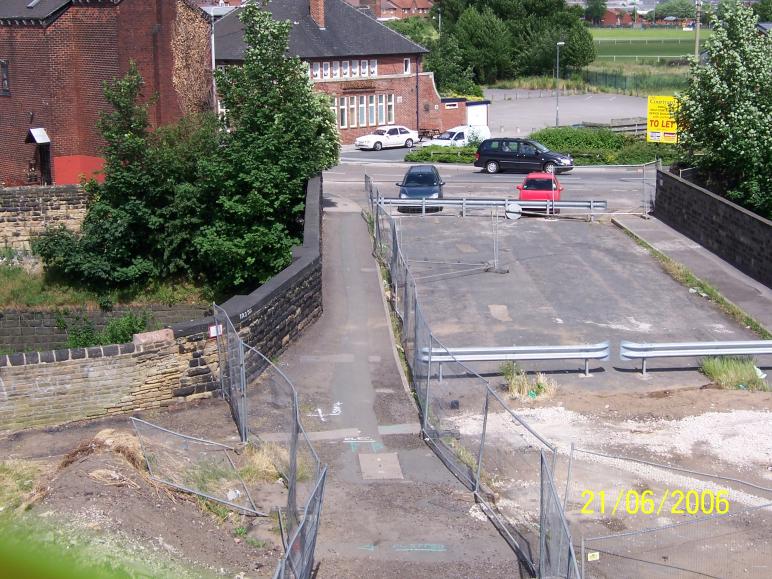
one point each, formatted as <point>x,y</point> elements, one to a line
<point>348,32</point>
<point>765,27</point>
<point>425,4</point>
<point>30,10</point>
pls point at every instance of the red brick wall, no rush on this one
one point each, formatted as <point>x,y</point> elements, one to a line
<point>57,74</point>
<point>390,80</point>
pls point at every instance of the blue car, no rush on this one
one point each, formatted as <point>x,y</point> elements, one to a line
<point>421,182</point>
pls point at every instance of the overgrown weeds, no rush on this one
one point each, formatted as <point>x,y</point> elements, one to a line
<point>270,462</point>
<point>520,386</point>
<point>17,480</point>
<point>733,373</point>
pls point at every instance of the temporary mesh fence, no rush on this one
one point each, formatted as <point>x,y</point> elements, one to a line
<point>194,465</point>
<point>503,473</point>
<point>556,553</point>
<point>669,521</point>
<point>230,353</point>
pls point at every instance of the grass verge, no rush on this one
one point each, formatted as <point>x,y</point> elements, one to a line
<point>17,480</point>
<point>733,373</point>
<point>685,277</point>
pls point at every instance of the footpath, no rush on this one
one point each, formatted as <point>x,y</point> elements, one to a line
<point>751,296</point>
<point>391,508</point>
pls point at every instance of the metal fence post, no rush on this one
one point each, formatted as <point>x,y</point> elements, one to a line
<point>482,441</point>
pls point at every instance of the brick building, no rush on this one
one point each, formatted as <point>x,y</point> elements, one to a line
<point>399,9</point>
<point>54,57</point>
<point>617,17</point>
<point>372,74</point>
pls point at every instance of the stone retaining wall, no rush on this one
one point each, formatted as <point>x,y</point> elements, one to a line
<point>26,330</point>
<point>26,211</point>
<point>53,387</point>
<point>733,233</point>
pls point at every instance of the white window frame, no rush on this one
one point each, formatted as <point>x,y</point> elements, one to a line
<point>373,68</point>
<point>381,109</point>
<point>406,65</point>
<point>352,111</point>
<point>334,107</point>
<point>344,69</point>
<point>354,68</point>
<point>363,68</point>
<point>343,118</point>
<point>371,110</point>
<point>336,69</point>
<point>326,70</point>
<point>390,109</point>
<point>316,71</point>
<point>362,110</point>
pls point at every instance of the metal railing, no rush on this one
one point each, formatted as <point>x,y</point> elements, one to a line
<point>507,204</point>
<point>584,352</point>
<point>636,351</point>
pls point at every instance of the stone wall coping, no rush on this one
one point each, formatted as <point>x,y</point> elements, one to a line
<point>65,354</point>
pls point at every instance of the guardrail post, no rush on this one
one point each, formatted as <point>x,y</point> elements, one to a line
<point>587,367</point>
<point>643,367</point>
<point>423,206</point>
<point>439,371</point>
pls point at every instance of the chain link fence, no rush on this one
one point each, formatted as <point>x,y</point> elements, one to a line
<point>488,447</point>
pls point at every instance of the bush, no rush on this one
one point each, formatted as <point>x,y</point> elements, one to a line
<point>733,373</point>
<point>436,154</point>
<point>82,334</point>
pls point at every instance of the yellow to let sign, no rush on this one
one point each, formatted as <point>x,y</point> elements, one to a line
<point>661,124</point>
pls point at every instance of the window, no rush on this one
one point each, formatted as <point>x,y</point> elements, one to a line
<point>362,112</point>
<point>363,68</point>
<point>326,70</point>
<point>459,136</point>
<point>355,68</point>
<point>373,68</point>
<point>333,107</point>
<point>371,110</point>
<point>352,111</point>
<point>406,65</point>
<point>343,116</point>
<point>5,86</point>
<point>451,105</point>
<point>315,70</point>
<point>381,109</point>
<point>344,69</point>
<point>336,69</point>
<point>390,109</point>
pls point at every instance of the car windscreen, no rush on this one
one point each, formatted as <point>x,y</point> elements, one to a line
<point>538,185</point>
<point>446,136</point>
<point>419,180</point>
<point>539,147</point>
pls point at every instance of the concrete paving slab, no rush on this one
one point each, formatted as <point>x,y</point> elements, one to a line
<point>380,466</point>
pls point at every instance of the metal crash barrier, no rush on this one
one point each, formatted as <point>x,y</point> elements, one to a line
<point>464,203</point>
<point>634,351</point>
<point>584,352</point>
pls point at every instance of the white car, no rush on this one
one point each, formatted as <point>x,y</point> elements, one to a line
<point>460,136</point>
<point>391,136</point>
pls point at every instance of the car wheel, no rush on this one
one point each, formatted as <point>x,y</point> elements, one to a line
<point>409,143</point>
<point>549,167</point>
<point>377,146</point>
<point>492,167</point>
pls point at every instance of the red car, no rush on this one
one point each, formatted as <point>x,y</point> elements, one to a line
<point>540,187</point>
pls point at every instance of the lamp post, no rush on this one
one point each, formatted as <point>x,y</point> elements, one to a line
<point>557,85</point>
<point>697,10</point>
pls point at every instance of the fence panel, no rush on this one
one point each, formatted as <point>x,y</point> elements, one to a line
<point>230,353</point>
<point>556,552</point>
<point>301,546</point>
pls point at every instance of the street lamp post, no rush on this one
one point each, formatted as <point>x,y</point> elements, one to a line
<point>697,10</point>
<point>557,85</point>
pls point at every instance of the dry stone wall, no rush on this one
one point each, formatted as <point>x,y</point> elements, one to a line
<point>57,386</point>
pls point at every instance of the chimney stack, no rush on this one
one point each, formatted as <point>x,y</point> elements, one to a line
<point>317,12</point>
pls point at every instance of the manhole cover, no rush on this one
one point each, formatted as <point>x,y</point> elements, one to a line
<point>380,466</point>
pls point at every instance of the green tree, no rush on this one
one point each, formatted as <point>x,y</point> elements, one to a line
<point>416,28</point>
<point>485,44</point>
<point>724,115</point>
<point>282,132</point>
<point>677,8</point>
<point>595,10</point>
<point>763,9</point>
<point>450,74</point>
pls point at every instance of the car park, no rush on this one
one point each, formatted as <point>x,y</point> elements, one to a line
<point>421,182</point>
<point>523,155</point>
<point>383,137</point>
<point>460,136</point>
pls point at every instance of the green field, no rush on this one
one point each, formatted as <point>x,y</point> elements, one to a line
<point>645,33</point>
<point>650,45</point>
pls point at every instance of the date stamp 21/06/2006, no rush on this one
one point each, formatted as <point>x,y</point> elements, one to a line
<point>671,501</point>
